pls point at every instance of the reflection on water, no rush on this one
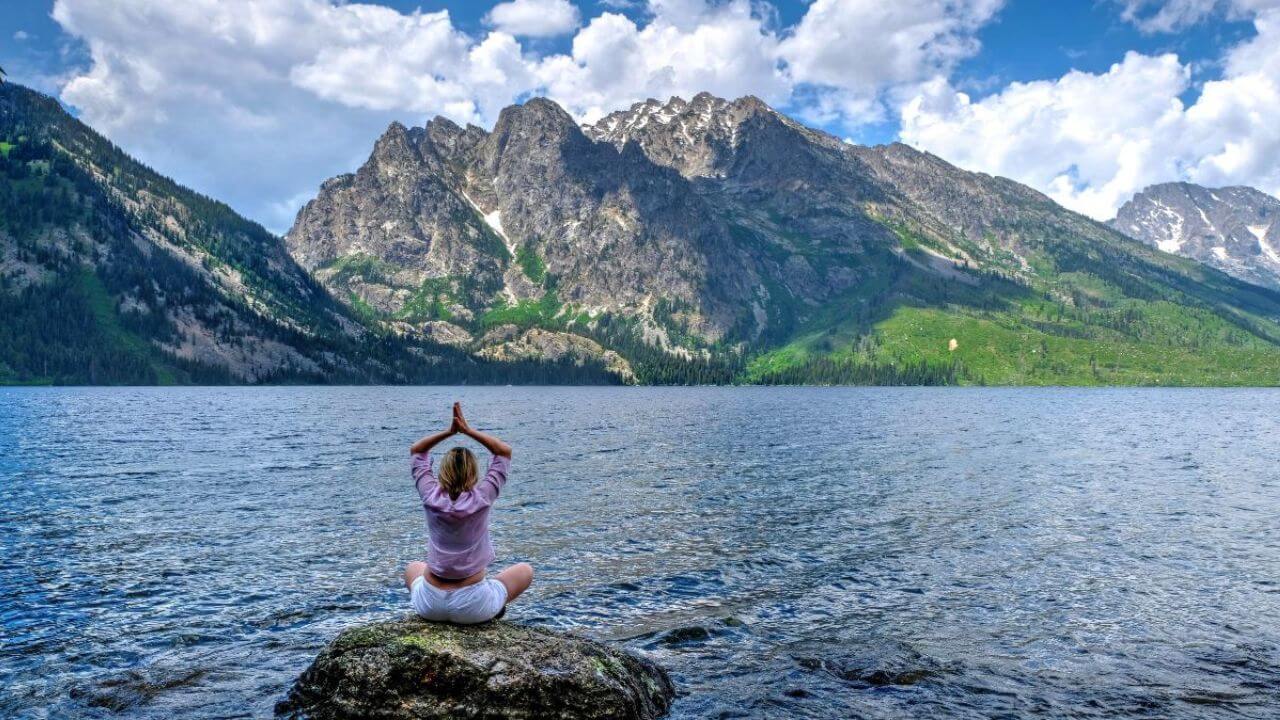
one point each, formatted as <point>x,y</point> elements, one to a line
<point>877,553</point>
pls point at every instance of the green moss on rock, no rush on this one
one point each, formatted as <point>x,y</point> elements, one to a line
<point>408,668</point>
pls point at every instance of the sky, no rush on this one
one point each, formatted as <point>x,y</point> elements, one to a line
<point>256,102</point>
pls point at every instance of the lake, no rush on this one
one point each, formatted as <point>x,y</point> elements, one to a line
<point>784,552</point>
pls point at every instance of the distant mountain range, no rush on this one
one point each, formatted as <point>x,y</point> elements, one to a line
<point>1234,229</point>
<point>683,241</point>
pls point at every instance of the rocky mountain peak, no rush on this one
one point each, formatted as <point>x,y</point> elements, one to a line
<point>451,139</point>
<point>538,114</point>
<point>753,104</point>
<point>698,138</point>
<point>693,118</point>
<point>395,134</point>
<point>533,132</point>
<point>1235,229</point>
<point>533,211</point>
<point>397,145</point>
<point>442,130</point>
<point>704,113</point>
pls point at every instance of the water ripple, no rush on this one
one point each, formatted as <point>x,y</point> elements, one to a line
<point>806,553</point>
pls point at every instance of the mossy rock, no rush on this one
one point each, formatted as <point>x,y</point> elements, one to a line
<point>408,668</point>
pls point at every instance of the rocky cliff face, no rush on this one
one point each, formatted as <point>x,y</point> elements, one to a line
<point>445,224</point>
<point>788,182</point>
<point>805,207</point>
<point>703,223</point>
<point>711,232</point>
<point>1234,229</point>
<point>401,219</point>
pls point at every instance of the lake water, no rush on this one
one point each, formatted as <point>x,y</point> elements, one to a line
<point>784,552</point>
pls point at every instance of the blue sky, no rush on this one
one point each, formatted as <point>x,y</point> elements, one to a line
<point>258,101</point>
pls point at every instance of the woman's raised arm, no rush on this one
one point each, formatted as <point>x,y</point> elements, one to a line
<point>431,441</point>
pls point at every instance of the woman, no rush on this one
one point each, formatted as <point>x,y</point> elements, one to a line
<point>451,585</point>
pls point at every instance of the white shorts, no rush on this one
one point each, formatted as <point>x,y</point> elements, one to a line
<point>465,606</point>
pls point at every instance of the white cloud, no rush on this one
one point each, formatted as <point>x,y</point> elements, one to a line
<point>1085,139</point>
<point>687,47</point>
<point>257,101</point>
<point>534,18</point>
<point>1164,16</point>
<point>386,61</point>
<point>852,50</point>
<point>863,45</point>
<point>834,66</point>
<point>21,35</point>
<point>1091,141</point>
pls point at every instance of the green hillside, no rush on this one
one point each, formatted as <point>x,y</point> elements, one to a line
<point>1074,328</point>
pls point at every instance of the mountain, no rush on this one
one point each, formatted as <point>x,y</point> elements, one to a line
<point>1234,229</point>
<point>716,240</point>
<point>467,234</point>
<point>681,241</point>
<point>112,273</point>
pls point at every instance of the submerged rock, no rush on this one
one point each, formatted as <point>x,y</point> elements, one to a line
<point>408,668</point>
<point>877,664</point>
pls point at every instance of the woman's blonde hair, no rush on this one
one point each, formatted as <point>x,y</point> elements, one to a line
<point>458,471</point>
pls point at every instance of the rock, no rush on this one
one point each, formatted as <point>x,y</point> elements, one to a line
<point>446,333</point>
<point>409,668</point>
<point>506,343</point>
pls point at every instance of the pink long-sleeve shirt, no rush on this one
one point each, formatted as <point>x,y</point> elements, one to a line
<point>458,543</point>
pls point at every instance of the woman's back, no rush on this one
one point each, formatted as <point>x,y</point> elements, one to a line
<point>458,527</point>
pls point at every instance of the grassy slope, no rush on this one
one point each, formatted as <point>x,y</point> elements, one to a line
<point>103,309</point>
<point>1002,349</point>
<point>1024,338</point>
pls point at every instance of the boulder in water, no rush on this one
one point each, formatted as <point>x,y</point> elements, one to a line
<point>408,668</point>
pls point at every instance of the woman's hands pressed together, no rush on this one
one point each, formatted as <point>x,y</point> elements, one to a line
<point>459,422</point>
